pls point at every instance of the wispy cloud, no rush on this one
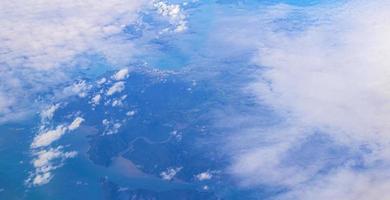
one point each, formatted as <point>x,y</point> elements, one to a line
<point>45,162</point>
<point>116,87</point>
<point>46,151</point>
<point>47,137</point>
<point>325,71</point>
<point>121,74</point>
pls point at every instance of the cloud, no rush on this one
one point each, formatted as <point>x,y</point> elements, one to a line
<point>131,113</point>
<point>328,76</point>
<point>76,123</point>
<point>324,70</point>
<point>101,81</point>
<point>49,112</point>
<point>117,87</point>
<point>47,137</point>
<point>46,44</point>
<point>121,74</point>
<point>170,173</point>
<point>174,13</point>
<point>96,99</point>
<point>204,176</point>
<point>79,88</point>
<point>43,34</point>
<point>111,127</point>
<point>45,162</point>
<point>42,40</point>
<point>346,184</point>
<point>46,158</point>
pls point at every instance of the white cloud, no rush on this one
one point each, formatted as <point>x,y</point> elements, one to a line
<point>42,39</point>
<point>345,184</point>
<point>80,88</point>
<point>131,113</point>
<point>105,122</point>
<point>174,13</point>
<point>96,99</point>
<point>43,42</point>
<point>170,173</point>
<point>49,112</point>
<point>328,75</point>
<point>204,176</point>
<point>101,81</point>
<point>117,102</point>
<point>117,87</point>
<point>45,162</point>
<point>121,74</point>
<point>51,32</point>
<point>76,123</point>
<point>47,137</point>
<point>41,179</point>
<point>111,127</point>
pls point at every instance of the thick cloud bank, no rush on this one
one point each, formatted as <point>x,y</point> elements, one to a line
<point>329,79</point>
